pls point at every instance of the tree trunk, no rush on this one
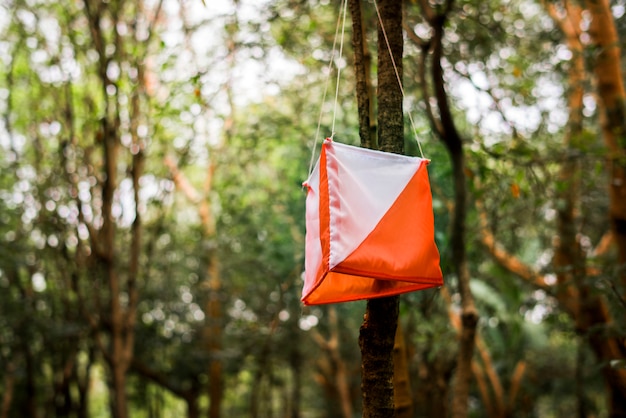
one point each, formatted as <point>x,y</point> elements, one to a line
<point>469,315</point>
<point>610,88</point>
<point>448,134</point>
<point>377,333</point>
<point>514,387</point>
<point>29,407</point>
<point>612,95</point>
<point>118,351</point>
<point>376,340</point>
<point>569,258</point>
<point>333,369</point>
<point>193,410</point>
<point>214,337</point>
<point>361,70</point>
<point>389,94</point>
<point>402,394</point>
<point>212,330</point>
<point>9,387</point>
<point>106,243</point>
<point>263,369</point>
<point>120,402</point>
<point>295,360</point>
<point>339,365</point>
<point>82,384</point>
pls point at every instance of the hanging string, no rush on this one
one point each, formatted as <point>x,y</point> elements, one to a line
<point>328,70</point>
<point>342,17</point>
<point>395,68</point>
<point>339,63</point>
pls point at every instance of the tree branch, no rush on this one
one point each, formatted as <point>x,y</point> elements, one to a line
<point>503,257</point>
<point>360,69</point>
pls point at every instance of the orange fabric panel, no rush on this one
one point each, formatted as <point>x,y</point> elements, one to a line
<point>324,211</point>
<point>338,287</point>
<point>402,246</point>
<point>398,255</point>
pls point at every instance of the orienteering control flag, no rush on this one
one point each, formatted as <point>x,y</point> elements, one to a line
<point>369,226</point>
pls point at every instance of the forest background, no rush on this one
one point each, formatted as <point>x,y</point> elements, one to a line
<point>152,216</point>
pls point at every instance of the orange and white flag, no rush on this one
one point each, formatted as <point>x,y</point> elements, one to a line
<point>369,226</point>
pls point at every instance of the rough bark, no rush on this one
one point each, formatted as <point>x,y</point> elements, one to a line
<point>389,93</point>
<point>377,333</point>
<point>376,343</point>
<point>361,70</point>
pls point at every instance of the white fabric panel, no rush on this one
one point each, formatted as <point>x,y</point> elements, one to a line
<point>313,257</point>
<point>363,189</point>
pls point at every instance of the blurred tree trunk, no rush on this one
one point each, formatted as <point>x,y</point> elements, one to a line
<point>431,373</point>
<point>122,315</point>
<point>83,381</point>
<point>402,394</point>
<point>362,63</point>
<point>591,311</point>
<point>116,353</point>
<point>213,335</point>
<point>118,315</point>
<point>193,410</point>
<point>334,376</point>
<point>575,291</point>
<point>263,370</point>
<point>29,408</point>
<point>377,333</point>
<point>189,393</point>
<point>445,128</point>
<point>612,105</point>
<point>9,387</point>
<point>295,364</point>
<point>214,320</point>
<point>569,258</point>
<point>213,308</point>
<point>612,95</point>
<point>496,403</point>
<point>432,395</point>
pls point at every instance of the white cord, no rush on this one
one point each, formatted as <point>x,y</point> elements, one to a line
<point>343,27</point>
<point>332,59</point>
<point>330,64</point>
<point>419,145</point>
